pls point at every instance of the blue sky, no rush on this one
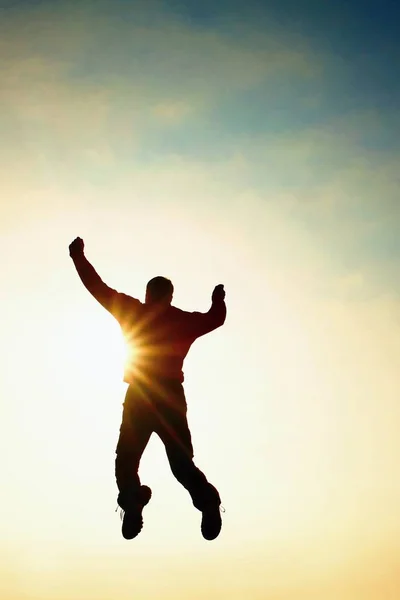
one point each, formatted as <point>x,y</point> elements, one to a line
<point>305,93</point>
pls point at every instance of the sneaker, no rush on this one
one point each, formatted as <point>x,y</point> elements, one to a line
<point>132,521</point>
<point>211,522</point>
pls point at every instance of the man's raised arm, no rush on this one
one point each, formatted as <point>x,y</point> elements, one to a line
<point>206,322</point>
<point>90,279</point>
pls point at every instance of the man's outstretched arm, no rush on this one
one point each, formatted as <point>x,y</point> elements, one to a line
<point>107,297</point>
<point>206,322</point>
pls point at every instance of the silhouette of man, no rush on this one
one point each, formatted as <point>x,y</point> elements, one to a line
<point>158,337</point>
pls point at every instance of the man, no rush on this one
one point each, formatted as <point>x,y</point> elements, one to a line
<point>158,337</point>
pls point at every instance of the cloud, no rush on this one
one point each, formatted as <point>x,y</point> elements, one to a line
<point>172,112</point>
<point>97,99</point>
<point>87,91</point>
<point>169,62</point>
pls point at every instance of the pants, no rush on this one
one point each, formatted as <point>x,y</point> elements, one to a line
<point>160,409</point>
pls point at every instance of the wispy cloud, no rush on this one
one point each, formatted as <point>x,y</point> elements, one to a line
<point>52,53</point>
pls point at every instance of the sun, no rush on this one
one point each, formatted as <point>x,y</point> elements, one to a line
<point>92,345</point>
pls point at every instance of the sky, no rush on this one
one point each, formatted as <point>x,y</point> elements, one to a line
<point>251,144</point>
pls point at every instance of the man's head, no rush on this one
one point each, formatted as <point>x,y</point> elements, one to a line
<point>159,290</point>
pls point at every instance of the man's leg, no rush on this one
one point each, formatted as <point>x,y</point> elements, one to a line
<point>173,429</point>
<point>135,431</point>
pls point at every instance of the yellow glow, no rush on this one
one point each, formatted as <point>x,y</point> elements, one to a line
<point>267,379</point>
<point>274,415</point>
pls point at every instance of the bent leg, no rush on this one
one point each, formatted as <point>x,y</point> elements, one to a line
<point>135,431</point>
<point>174,432</point>
<point>173,429</point>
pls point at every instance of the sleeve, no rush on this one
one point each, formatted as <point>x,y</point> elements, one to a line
<point>202,323</point>
<point>116,303</point>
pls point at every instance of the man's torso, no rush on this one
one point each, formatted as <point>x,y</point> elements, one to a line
<point>157,343</point>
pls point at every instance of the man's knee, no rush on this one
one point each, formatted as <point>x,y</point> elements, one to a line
<point>182,464</point>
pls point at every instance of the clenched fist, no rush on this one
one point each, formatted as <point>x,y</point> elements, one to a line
<point>218,293</point>
<point>76,247</point>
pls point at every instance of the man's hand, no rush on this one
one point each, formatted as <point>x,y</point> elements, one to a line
<point>218,293</point>
<point>76,247</point>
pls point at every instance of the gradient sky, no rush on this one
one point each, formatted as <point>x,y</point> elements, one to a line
<point>210,142</point>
